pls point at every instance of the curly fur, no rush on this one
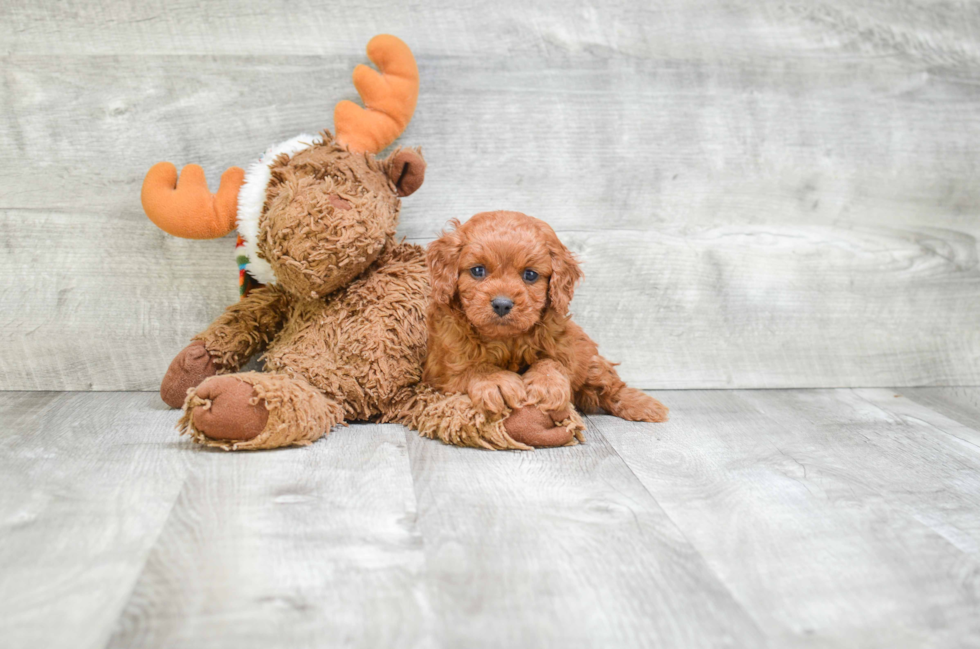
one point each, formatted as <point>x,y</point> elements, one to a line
<point>298,413</point>
<point>533,355</point>
<point>343,328</point>
<point>453,419</point>
<point>244,328</point>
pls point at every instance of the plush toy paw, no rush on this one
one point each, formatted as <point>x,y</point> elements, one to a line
<point>191,366</point>
<point>498,391</point>
<point>532,426</point>
<point>226,408</point>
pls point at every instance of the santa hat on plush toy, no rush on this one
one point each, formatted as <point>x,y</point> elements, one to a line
<point>184,207</point>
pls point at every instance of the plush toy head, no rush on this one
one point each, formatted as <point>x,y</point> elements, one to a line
<point>343,205</point>
<point>315,211</point>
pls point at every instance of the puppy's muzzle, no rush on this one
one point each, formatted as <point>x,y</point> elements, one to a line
<point>501,305</point>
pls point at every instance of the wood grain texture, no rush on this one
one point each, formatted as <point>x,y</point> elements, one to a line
<point>764,195</point>
<point>586,142</point>
<point>941,33</point>
<point>298,548</point>
<point>920,413</point>
<point>832,521</point>
<point>94,304</point>
<point>86,484</point>
<point>768,307</point>
<point>561,548</point>
<point>923,461</point>
<point>794,518</point>
<point>960,404</point>
<point>808,306</point>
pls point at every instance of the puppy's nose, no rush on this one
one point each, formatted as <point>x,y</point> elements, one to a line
<point>501,305</point>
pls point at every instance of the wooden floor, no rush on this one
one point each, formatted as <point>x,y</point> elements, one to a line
<point>752,519</point>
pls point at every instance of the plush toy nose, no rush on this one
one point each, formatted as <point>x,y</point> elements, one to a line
<point>502,305</point>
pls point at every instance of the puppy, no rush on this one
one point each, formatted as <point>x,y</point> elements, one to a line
<point>499,328</point>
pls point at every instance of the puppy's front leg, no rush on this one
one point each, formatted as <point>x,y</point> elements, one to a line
<point>495,389</point>
<point>548,385</point>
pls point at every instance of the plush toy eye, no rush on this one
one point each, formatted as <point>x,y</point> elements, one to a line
<point>530,275</point>
<point>479,272</point>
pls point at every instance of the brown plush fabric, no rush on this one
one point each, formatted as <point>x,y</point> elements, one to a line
<point>406,170</point>
<point>532,426</point>
<point>343,324</point>
<point>338,202</point>
<point>297,414</point>
<point>229,409</point>
<point>343,330</point>
<point>245,327</point>
<point>314,247</point>
<point>191,366</point>
<point>452,419</point>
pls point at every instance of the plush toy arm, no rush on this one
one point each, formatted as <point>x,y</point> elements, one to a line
<point>245,328</point>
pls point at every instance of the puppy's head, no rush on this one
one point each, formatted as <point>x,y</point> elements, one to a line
<point>503,269</point>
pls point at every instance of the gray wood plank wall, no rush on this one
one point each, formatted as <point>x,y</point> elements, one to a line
<point>764,195</point>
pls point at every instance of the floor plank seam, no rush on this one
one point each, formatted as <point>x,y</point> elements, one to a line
<point>931,425</point>
<point>111,632</point>
<point>426,571</point>
<point>594,430</point>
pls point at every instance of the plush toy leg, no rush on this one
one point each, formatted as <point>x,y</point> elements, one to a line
<point>191,366</point>
<point>452,419</point>
<point>532,426</point>
<point>256,410</point>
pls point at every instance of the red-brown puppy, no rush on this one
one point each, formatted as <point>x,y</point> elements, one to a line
<point>499,327</point>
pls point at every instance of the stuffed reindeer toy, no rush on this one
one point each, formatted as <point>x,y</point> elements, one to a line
<point>334,301</point>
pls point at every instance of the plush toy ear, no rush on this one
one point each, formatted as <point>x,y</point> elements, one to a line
<point>442,258</point>
<point>406,169</point>
<point>565,273</point>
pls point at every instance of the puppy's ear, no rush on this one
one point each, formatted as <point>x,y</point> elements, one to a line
<point>406,170</point>
<point>442,257</point>
<point>565,273</point>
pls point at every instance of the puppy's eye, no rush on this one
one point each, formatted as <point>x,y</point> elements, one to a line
<point>479,272</point>
<point>529,275</point>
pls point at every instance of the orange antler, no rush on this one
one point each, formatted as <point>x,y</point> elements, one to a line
<point>389,97</point>
<point>186,208</point>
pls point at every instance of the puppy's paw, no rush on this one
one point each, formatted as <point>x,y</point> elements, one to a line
<point>550,391</point>
<point>633,405</point>
<point>654,411</point>
<point>498,391</point>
